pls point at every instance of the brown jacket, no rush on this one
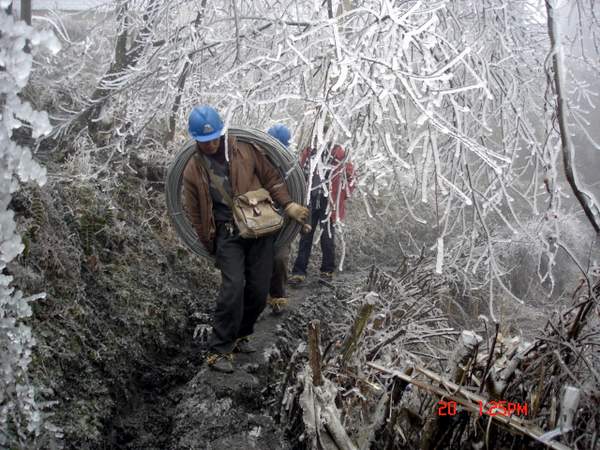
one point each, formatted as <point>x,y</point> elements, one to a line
<point>249,169</point>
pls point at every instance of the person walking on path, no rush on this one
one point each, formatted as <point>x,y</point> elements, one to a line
<point>218,172</point>
<point>332,183</point>
<point>277,298</point>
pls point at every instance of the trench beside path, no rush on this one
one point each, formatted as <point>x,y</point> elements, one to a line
<point>182,404</point>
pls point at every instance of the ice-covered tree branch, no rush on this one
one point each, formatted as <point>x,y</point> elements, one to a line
<point>587,201</point>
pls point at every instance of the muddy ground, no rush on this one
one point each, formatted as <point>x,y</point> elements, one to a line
<point>182,404</point>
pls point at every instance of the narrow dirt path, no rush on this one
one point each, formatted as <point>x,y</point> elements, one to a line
<point>182,404</point>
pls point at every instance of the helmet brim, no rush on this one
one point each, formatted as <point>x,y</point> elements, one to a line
<point>208,137</point>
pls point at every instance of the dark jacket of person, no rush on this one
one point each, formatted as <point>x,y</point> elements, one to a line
<point>249,170</point>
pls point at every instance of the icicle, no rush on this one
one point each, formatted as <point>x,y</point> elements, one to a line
<point>390,146</point>
<point>342,76</point>
<point>439,262</point>
<point>424,173</point>
<point>367,207</point>
<point>460,193</point>
<point>415,142</point>
<point>340,233</point>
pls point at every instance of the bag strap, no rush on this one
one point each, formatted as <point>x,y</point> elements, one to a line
<point>215,180</point>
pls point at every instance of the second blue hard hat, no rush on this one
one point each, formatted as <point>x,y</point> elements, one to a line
<point>281,133</point>
<point>205,123</point>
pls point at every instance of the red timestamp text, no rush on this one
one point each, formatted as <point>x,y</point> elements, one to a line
<point>502,408</point>
<point>492,408</point>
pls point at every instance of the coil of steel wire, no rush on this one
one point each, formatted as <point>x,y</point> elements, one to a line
<point>279,156</point>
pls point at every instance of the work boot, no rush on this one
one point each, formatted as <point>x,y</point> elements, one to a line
<point>220,362</point>
<point>277,304</point>
<point>296,279</point>
<point>243,345</point>
<point>327,276</point>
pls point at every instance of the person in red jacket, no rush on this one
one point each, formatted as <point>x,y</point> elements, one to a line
<point>331,181</point>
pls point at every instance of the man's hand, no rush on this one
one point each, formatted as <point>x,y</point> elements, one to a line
<point>297,212</point>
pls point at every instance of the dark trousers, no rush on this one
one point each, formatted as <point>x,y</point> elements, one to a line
<point>246,266</point>
<point>280,270</point>
<point>317,217</point>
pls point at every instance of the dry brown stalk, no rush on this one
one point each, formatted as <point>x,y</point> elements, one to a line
<point>358,327</point>
<point>314,351</point>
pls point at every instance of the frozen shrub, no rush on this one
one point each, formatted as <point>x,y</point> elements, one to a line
<point>21,419</point>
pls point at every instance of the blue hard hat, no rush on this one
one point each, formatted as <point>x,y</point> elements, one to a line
<point>281,133</point>
<point>205,124</point>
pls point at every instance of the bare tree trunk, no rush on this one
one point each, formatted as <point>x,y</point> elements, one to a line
<point>100,94</point>
<point>329,9</point>
<point>181,83</point>
<point>588,203</point>
<point>121,44</point>
<point>26,11</point>
<point>124,58</point>
<point>141,40</point>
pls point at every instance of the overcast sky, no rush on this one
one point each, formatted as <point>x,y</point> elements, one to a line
<point>72,5</point>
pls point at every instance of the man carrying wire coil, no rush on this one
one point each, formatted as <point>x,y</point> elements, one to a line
<point>222,171</point>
